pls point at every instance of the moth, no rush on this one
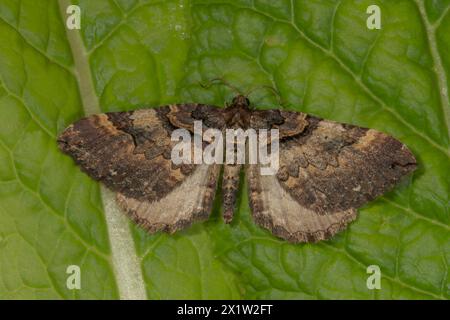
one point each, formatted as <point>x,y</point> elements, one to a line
<point>326,169</point>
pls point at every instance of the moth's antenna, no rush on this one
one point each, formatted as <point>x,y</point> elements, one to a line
<point>275,92</point>
<point>219,81</point>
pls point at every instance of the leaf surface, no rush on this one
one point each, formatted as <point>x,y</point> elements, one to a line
<point>128,54</point>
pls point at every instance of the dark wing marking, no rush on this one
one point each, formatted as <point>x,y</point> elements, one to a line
<point>184,115</point>
<point>338,167</point>
<point>288,123</point>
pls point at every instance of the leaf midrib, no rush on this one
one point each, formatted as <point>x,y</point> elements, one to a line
<point>124,259</point>
<point>438,67</point>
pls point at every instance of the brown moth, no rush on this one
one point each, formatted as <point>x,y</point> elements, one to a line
<point>326,169</point>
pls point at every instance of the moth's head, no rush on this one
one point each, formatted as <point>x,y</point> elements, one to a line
<point>241,101</point>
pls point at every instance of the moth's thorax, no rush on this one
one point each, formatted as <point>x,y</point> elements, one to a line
<point>237,114</point>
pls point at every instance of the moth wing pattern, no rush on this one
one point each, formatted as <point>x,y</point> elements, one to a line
<point>325,173</point>
<point>130,153</point>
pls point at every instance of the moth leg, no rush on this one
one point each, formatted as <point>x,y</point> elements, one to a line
<point>230,188</point>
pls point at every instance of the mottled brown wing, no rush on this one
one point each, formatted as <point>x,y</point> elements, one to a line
<point>130,152</point>
<point>326,172</point>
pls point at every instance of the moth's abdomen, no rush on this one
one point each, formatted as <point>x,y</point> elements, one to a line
<point>230,189</point>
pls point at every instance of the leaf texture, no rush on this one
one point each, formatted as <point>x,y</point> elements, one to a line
<point>322,59</point>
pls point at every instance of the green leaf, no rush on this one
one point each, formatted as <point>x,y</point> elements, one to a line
<point>323,60</point>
